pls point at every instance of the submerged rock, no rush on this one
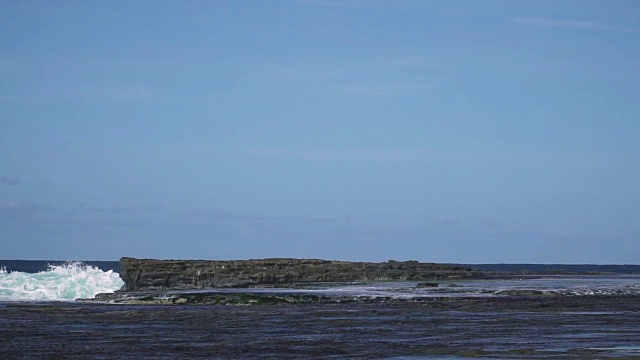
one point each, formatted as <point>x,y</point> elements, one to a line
<point>150,274</point>
<point>526,292</point>
<point>426,285</point>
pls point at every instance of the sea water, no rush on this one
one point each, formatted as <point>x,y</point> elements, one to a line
<point>590,317</point>
<point>67,281</point>
<point>574,285</point>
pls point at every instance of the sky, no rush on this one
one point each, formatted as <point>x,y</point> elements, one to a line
<point>364,130</point>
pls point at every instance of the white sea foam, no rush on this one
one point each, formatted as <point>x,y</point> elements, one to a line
<point>65,282</point>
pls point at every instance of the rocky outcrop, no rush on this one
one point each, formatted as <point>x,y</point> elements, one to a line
<point>150,274</point>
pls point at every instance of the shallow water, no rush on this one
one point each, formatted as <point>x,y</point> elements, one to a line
<point>556,285</point>
<point>501,328</point>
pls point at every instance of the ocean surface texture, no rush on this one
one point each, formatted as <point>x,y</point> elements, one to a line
<point>534,317</point>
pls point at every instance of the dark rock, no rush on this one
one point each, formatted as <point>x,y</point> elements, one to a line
<point>150,274</point>
<point>426,285</point>
<point>525,292</point>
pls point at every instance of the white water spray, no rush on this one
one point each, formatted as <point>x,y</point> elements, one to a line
<point>64,282</point>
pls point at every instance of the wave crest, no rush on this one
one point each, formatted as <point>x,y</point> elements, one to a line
<point>68,281</point>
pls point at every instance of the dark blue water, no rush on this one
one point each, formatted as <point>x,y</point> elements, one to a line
<point>34,266</point>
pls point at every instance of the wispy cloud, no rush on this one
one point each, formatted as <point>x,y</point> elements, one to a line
<point>334,3</point>
<point>489,224</point>
<point>396,74</point>
<point>414,62</point>
<point>21,206</point>
<point>221,215</point>
<point>565,24</point>
<point>369,154</point>
<point>82,208</point>
<point>10,181</point>
<point>385,89</point>
<point>118,94</point>
<point>320,221</point>
<point>18,211</point>
<point>24,207</point>
<point>448,222</point>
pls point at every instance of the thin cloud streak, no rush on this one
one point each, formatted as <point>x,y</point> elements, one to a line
<point>221,215</point>
<point>385,90</point>
<point>566,24</point>
<point>333,3</point>
<point>10,181</point>
<point>408,155</point>
<point>361,76</point>
<point>367,154</point>
<point>118,94</point>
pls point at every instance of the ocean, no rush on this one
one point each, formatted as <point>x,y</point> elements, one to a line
<point>547,316</point>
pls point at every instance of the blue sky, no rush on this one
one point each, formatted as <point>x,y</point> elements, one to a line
<point>448,131</point>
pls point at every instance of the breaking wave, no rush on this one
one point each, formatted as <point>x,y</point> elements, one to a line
<point>68,281</point>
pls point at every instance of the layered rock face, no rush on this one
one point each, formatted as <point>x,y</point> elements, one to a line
<point>150,274</point>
